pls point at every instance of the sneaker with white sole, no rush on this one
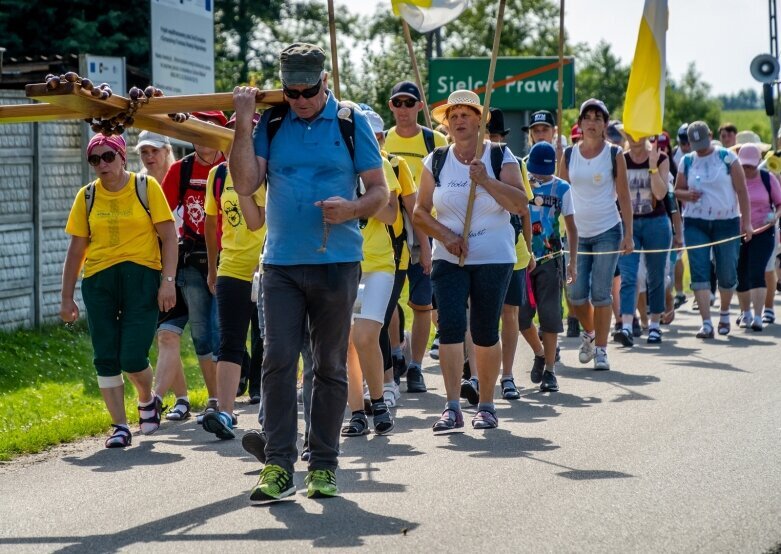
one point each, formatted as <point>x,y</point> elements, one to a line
<point>434,351</point>
<point>586,353</point>
<point>601,362</point>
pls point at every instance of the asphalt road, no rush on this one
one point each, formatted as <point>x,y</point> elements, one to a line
<point>676,449</point>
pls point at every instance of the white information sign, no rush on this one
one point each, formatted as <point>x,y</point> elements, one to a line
<point>105,69</point>
<point>183,46</point>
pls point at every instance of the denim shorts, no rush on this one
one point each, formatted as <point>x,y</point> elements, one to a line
<point>516,291</point>
<point>484,286</point>
<point>202,312</point>
<point>595,272</point>
<point>420,289</point>
<point>725,255</point>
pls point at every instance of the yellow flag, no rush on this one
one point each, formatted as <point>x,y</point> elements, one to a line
<point>427,15</point>
<point>644,104</point>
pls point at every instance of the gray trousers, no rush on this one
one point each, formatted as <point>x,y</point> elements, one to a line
<point>324,294</point>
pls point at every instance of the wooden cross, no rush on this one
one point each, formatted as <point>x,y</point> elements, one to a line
<point>70,101</point>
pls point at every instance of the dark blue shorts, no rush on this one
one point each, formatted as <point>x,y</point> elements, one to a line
<point>420,290</point>
<point>516,292</point>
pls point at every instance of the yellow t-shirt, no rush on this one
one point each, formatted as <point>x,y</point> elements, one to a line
<point>120,229</point>
<point>521,250</point>
<point>240,246</point>
<point>413,149</point>
<point>407,184</point>
<point>377,245</point>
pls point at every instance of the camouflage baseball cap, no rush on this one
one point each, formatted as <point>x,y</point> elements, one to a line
<point>301,64</point>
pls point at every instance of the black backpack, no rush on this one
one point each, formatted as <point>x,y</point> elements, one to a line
<point>764,174</point>
<point>614,150</point>
<point>439,156</point>
<point>346,125</point>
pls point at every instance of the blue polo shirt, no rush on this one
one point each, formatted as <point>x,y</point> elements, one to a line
<point>308,162</point>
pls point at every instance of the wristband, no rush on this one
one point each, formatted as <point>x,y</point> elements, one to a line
<point>653,170</point>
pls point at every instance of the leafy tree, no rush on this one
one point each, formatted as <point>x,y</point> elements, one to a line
<point>48,27</point>
<point>689,100</point>
<point>600,74</point>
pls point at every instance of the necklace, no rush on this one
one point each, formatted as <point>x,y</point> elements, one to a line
<point>461,158</point>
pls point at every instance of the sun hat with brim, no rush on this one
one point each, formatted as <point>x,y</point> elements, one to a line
<point>750,155</point>
<point>457,98</point>
<point>216,115</point>
<point>148,138</point>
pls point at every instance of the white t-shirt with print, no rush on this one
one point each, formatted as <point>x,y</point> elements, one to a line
<point>709,174</point>
<point>491,235</point>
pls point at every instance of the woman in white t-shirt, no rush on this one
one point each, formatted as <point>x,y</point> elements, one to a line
<point>596,170</point>
<point>489,251</point>
<point>713,189</point>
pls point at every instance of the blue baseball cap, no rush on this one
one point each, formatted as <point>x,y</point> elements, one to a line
<point>542,159</point>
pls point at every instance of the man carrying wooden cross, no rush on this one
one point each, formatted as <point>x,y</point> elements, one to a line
<point>311,153</point>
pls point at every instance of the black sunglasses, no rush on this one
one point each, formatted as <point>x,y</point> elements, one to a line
<point>408,102</point>
<point>108,157</point>
<point>310,92</point>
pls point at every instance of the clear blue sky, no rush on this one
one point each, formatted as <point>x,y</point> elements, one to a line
<point>720,36</point>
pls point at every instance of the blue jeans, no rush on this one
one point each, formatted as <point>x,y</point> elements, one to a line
<point>650,233</point>
<point>701,231</point>
<point>595,272</point>
<point>202,308</point>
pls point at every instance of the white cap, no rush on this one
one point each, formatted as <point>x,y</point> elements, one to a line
<point>148,138</point>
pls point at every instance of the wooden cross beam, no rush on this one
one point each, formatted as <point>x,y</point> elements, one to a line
<point>69,101</point>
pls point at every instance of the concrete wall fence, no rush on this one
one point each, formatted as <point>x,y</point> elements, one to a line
<point>42,167</point>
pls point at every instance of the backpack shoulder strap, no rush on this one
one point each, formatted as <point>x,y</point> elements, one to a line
<point>687,163</point>
<point>142,191</point>
<point>89,200</point>
<point>347,127</point>
<point>567,156</point>
<point>185,172</point>
<point>497,156</point>
<point>764,174</point>
<point>428,139</point>
<point>438,157</point>
<point>723,153</point>
<point>276,116</point>
<point>614,151</point>
<point>220,174</point>
<point>394,161</point>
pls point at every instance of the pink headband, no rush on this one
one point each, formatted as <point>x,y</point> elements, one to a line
<point>115,142</point>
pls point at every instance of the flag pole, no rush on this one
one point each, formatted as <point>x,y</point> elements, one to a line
<point>418,80</point>
<point>334,59</point>
<point>489,85</point>
<point>561,77</point>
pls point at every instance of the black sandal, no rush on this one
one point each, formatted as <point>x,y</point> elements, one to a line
<point>358,426</point>
<point>120,438</point>
<point>180,411</point>
<point>157,406</point>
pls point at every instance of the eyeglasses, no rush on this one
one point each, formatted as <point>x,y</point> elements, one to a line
<point>310,92</point>
<point>407,103</point>
<point>108,157</point>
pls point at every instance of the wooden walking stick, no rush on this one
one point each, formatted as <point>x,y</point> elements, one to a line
<point>418,80</point>
<point>489,85</point>
<point>334,59</point>
<point>561,79</point>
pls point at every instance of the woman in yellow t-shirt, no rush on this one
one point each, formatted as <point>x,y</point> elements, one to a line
<point>243,232</point>
<point>115,224</point>
<point>364,356</point>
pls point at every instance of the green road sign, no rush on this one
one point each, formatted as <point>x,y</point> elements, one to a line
<point>519,83</point>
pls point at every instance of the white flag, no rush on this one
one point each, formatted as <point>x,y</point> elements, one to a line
<point>427,15</point>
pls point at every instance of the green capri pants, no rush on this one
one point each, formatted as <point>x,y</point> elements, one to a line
<point>122,312</point>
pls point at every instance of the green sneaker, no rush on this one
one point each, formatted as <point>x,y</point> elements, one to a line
<point>321,483</point>
<point>275,483</point>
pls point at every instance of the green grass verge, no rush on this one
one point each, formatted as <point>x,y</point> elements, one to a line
<point>49,392</point>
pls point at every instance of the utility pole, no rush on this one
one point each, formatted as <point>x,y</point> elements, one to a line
<point>771,4</point>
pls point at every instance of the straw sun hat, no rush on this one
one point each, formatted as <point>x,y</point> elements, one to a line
<point>457,98</point>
